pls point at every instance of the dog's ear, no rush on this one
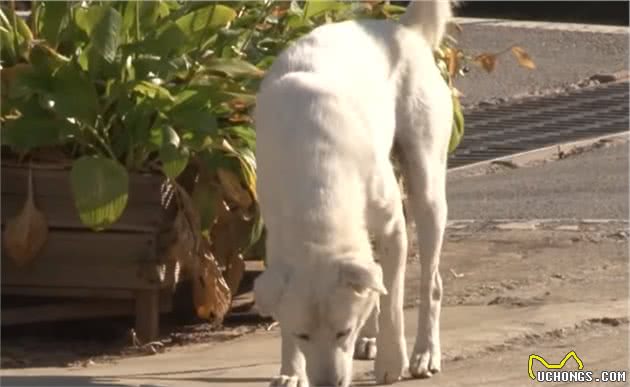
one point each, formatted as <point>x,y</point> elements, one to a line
<point>362,276</point>
<point>268,289</point>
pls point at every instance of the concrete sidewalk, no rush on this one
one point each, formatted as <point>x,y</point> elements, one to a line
<point>510,289</point>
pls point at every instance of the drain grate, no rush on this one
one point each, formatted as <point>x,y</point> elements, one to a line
<point>532,123</point>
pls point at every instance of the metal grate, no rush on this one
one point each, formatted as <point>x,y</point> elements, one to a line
<point>532,123</point>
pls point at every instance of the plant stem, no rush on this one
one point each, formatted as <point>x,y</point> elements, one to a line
<point>102,142</point>
<point>137,20</point>
<point>34,16</point>
<point>16,43</point>
<point>265,13</point>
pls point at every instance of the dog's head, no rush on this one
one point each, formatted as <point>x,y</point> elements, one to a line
<point>322,308</point>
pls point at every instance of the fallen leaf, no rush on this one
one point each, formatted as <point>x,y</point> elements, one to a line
<point>487,61</point>
<point>523,58</point>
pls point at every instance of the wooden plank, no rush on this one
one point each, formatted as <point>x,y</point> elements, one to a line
<point>106,260</point>
<point>66,311</point>
<point>147,315</point>
<point>255,266</point>
<point>40,291</point>
<point>54,197</point>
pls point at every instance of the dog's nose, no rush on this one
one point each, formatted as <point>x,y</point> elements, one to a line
<point>340,382</point>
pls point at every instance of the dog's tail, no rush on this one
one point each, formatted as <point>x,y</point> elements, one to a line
<point>429,17</point>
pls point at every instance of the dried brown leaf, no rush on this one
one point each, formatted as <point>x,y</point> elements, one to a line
<point>487,61</point>
<point>25,234</point>
<point>234,272</point>
<point>452,56</point>
<point>523,58</point>
<point>211,294</point>
<point>233,188</point>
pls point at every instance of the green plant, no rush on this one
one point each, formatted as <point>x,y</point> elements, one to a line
<point>113,88</point>
<point>110,88</point>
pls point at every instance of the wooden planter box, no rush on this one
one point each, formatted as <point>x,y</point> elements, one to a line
<point>121,267</point>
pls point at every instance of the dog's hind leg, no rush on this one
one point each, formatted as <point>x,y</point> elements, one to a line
<point>387,224</point>
<point>425,176</point>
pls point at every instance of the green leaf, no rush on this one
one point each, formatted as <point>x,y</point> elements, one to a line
<point>53,15</point>
<point>46,59</point>
<point>105,36</point>
<point>170,40</point>
<point>32,131</point>
<point>74,94</point>
<point>205,197</point>
<point>458,126</point>
<point>153,91</point>
<point>7,50</point>
<point>246,134</point>
<point>174,157</point>
<point>256,231</point>
<point>210,16</point>
<point>318,7</point>
<point>233,67</point>
<point>102,24</point>
<point>100,187</point>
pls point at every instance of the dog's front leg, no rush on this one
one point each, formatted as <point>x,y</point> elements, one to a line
<point>293,366</point>
<point>388,224</point>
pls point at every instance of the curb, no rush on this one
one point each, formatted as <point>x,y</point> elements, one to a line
<point>550,26</point>
<point>560,224</point>
<point>541,153</point>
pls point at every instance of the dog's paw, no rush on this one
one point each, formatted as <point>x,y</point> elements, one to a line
<point>287,381</point>
<point>391,362</point>
<point>365,348</point>
<point>425,362</point>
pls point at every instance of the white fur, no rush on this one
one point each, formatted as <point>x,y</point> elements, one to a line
<point>328,114</point>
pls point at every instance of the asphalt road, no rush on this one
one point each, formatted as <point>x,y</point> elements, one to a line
<point>593,185</point>
<point>562,57</point>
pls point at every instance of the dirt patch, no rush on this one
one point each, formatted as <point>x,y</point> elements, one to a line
<point>516,268</point>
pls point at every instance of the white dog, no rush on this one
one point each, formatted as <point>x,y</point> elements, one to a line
<point>329,112</point>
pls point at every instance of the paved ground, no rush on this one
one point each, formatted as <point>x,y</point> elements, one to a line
<point>593,185</point>
<point>563,58</point>
<point>511,290</point>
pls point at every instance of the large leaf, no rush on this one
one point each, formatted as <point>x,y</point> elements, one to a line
<point>169,40</point>
<point>210,16</point>
<point>32,131</point>
<point>206,198</point>
<point>100,187</point>
<point>153,91</point>
<point>319,7</point>
<point>173,155</point>
<point>233,67</point>
<point>74,94</point>
<point>53,14</point>
<point>146,13</point>
<point>102,24</point>
<point>46,59</point>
